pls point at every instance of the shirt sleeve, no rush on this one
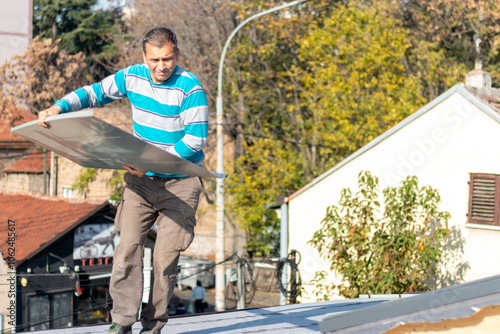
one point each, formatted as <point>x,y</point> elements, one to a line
<point>110,89</point>
<point>194,115</point>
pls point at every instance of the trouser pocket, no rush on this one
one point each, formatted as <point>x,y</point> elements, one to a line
<point>177,235</point>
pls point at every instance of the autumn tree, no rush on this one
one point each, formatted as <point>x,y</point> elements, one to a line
<point>312,100</point>
<point>40,76</point>
<point>355,84</point>
<point>394,251</point>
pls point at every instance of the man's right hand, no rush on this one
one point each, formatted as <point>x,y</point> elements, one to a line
<point>42,115</point>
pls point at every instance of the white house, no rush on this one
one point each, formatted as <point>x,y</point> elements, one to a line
<point>445,144</point>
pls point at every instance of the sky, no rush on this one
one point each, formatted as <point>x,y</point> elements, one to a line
<point>105,3</point>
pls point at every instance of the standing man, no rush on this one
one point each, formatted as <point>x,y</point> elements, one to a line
<point>170,111</point>
<point>198,295</point>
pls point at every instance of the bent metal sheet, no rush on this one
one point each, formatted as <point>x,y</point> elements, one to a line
<point>93,143</point>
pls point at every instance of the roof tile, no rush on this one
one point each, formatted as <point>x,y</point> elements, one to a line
<point>38,220</point>
<point>30,163</point>
<point>19,116</point>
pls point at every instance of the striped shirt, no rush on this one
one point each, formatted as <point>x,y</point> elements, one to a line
<point>172,115</point>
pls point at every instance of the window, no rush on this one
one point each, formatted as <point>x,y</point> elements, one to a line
<point>50,311</point>
<point>38,312</point>
<point>67,192</point>
<point>484,199</point>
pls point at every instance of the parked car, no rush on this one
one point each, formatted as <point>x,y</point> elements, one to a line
<point>192,270</point>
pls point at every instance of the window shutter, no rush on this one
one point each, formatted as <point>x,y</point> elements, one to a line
<point>484,199</point>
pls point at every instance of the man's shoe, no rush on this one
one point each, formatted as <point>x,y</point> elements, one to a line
<point>119,329</point>
<point>149,331</point>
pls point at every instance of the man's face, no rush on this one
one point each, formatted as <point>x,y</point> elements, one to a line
<point>161,61</point>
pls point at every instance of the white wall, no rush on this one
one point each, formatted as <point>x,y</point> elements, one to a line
<point>15,27</point>
<point>441,147</point>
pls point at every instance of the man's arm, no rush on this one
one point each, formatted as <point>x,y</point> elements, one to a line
<point>110,89</point>
<point>194,116</point>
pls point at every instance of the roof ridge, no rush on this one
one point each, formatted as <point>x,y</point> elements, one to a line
<point>51,198</point>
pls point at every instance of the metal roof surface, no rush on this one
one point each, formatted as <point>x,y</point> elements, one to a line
<point>452,302</point>
<point>286,319</point>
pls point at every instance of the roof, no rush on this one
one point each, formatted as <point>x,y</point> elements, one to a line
<point>360,315</point>
<point>454,302</point>
<point>29,163</point>
<point>285,319</point>
<point>460,89</point>
<point>38,221</point>
<point>10,140</point>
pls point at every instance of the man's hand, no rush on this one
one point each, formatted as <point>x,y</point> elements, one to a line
<point>42,115</point>
<point>133,171</point>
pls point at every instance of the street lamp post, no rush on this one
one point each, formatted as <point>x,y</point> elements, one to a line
<point>220,272</point>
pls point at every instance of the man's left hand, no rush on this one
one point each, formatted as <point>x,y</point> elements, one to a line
<point>133,171</point>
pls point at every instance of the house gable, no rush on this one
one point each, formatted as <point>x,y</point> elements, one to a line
<point>442,144</point>
<point>459,88</point>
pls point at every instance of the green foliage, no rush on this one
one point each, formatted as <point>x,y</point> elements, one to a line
<point>395,251</point>
<point>80,29</point>
<point>117,186</point>
<point>84,179</point>
<point>88,175</point>
<point>265,172</point>
<point>443,36</point>
<point>308,89</point>
<point>355,83</point>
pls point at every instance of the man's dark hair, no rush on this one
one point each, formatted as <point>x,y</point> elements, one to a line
<point>159,37</point>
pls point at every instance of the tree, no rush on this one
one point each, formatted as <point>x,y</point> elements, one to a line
<point>393,252</point>
<point>355,84</point>
<point>268,170</point>
<point>40,76</point>
<point>443,36</point>
<point>258,91</point>
<point>319,95</point>
<point>80,29</point>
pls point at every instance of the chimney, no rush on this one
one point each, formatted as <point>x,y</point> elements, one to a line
<point>478,80</point>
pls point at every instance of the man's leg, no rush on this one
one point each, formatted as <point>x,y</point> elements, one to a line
<point>176,221</point>
<point>134,218</point>
<point>198,305</point>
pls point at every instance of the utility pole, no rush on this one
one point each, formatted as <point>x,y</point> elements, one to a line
<point>242,296</point>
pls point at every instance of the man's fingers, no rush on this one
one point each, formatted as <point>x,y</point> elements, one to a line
<point>42,115</point>
<point>133,171</point>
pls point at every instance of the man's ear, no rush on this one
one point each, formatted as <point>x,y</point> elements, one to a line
<point>144,57</point>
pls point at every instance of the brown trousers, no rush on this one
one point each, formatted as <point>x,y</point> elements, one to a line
<point>171,203</point>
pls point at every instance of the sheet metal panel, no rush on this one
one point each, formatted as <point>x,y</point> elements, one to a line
<point>91,142</point>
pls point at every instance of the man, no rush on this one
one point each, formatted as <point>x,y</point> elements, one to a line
<point>198,295</point>
<point>169,110</point>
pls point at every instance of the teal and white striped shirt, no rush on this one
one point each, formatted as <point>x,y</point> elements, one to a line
<point>172,115</point>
